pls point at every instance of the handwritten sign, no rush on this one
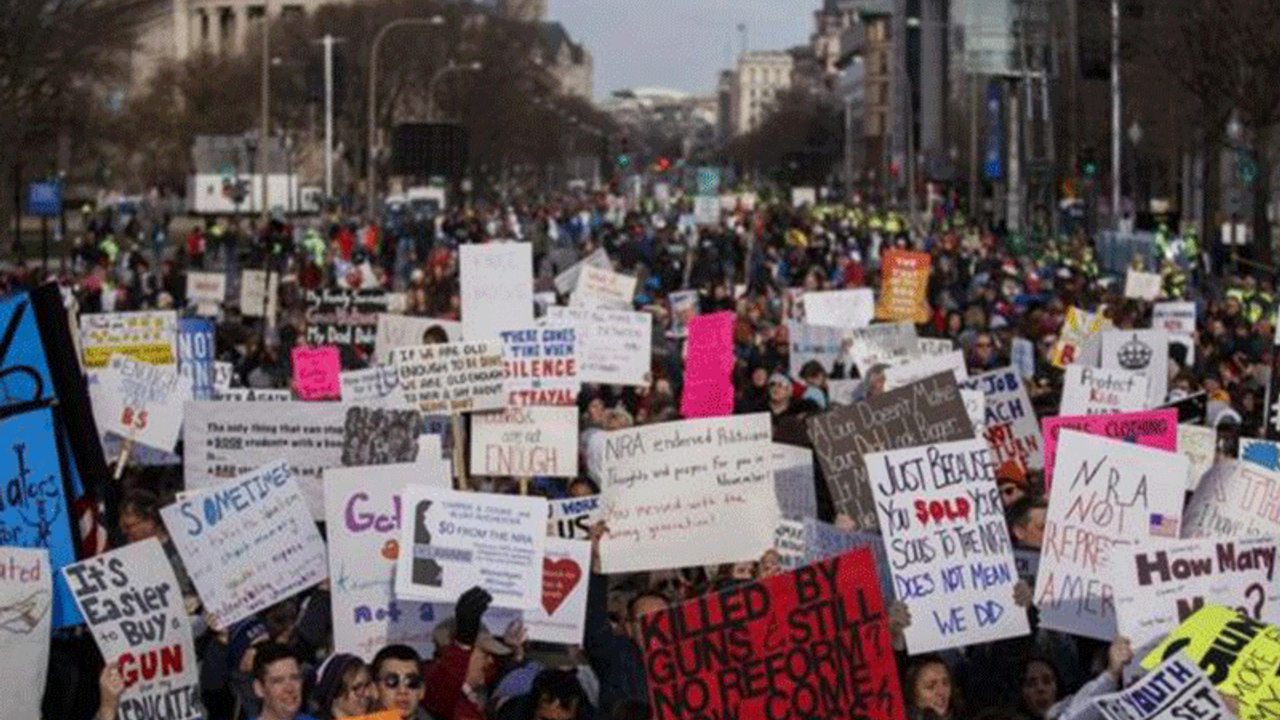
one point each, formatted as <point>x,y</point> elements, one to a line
<point>378,385</point>
<point>315,373</point>
<point>1079,340</point>
<point>902,374</point>
<point>948,544</point>
<point>904,286</point>
<point>1155,429</point>
<point>889,343</point>
<point>393,331</point>
<point>542,365</point>
<point>206,291</point>
<point>708,383</point>
<point>1010,427</point>
<point>133,605</point>
<point>453,541</point>
<point>1093,391</point>
<point>923,412</point>
<point>1160,583</point>
<point>1145,352</point>
<point>826,621</point>
<point>694,492</point>
<point>247,544</point>
<point>134,399</point>
<point>1200,445</point>
<point>601,288</point>
<point>1140,285</point>
<point>1235,499</point>
<point>572,518</point>
<point>496,288</point>
<point>362,511</point>
<point>259,293</point>
<point>793,481</point>
<point>525,441</point>
<point>566,281</point>
<point>453,377</point>
<point>195,356</point>
<point>1108,492</point>
<point>149,337</point>
<point>1177,690</point>
<point>1174,317</point>
<point>560,616</point>
<point>788,541</point>
<point>843,309</point>
<point>26,596</point>
<point>614,347</point>
<point>345,317</point>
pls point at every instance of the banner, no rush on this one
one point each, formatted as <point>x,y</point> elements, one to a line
<point>26,593</point>
<point>793,481</point>
<point>601,288</point>
<point>904,286</point>
<point>542,366</point>
<point>1140,285</point>
<point>141,401</point>
<point>692,492</point>
<point>1174,317</point>
<point>259,293</point>
<point>1142,351</point>
<point>458,540</point>
<point>362,511</point>
<point>1108,493</point>
<point>948,544</point>
<point>150,337</point>
<point>206,291</point>
<point>196,351</point>
<point>1177,690</point>
<point>453,377</point>
<point>1200,445</point>
<point>134,607</point>
<point>1079,340</point>
<point>614,347</point>
<point>1154,429</point>
<point>345,317</point>
<point>247,544</point>
<point>903,374</point>
<point>709,359</point>
<point>844,309</point>
<point>393,331</point>
<point>923,412</point>
<point>1235,499</point>
<point>496,288</point>
<point>1160,583</point>
<point>525,441</point>
<point>1091,391</point>
<point>378,385</point>
<point>572,518</point>
<point>315,373</point>
<point>1010,420</point>
<point>822,628</point>
<point>560,617</point>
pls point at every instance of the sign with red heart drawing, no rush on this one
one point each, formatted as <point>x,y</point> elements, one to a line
<point>561,616</point>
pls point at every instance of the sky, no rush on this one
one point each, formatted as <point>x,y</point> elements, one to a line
<point>678,44</point>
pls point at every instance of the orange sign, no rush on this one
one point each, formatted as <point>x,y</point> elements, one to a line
<point>904,286</point>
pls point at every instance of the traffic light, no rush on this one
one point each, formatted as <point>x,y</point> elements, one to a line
<point>663,164</point>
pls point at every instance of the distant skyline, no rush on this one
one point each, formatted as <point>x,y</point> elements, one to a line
<point>677,44</point>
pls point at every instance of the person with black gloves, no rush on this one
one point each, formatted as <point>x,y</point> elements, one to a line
<point>461,671</point>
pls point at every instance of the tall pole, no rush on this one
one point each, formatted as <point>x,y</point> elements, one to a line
<point>264,145</point>
<point>848,145</point>
<point>1115,114</point>
<point>329,40</point>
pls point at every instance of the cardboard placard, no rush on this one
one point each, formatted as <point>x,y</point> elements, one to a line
<point>1174,317</point>
<point>378,385</point>
<point>1177,690</point>
<point>525,441</point>
<point>206,291</point>
<point>561,614</point>
<point>844,309</point>
<point>1154,429</point>
<point>709,359</point>
<point>693,492</point>
<point>572,518</point>
<point>1200,445</point>
<point>149,336</point>
<point>196,350</point>
<point>315,373</point>
<point>903,374</point>
<point>904,286</point>
<point>948,543</point>
<point>247,544</point>
<point>793,481</point>
<point>496,288</point>
<point>614,347</point>
<point>393,331</point>
<point>453,377</point>
<point>1010,426</point>
<point>452,541</point>
<point>602,288</point>
<point>542,365</point>
<point>1235,499</point>
<point>26,592</point>
<point>926,411</point>
<point>1142,351</point>
<point>259,293</point>
<point>1093,391</point>
<point>1079,340</point>
<point>141,401</point>
<point>1140,285</point>
<point>1108,493</point>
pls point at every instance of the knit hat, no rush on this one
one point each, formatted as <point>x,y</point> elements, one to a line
<point>329,678</point>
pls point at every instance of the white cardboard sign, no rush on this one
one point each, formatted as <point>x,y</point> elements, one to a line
<point>1093,391</point>
<point>26,589</point>
<point>395,331</point>
<point>843,309</point>
<point>378,385</point>
<point>1142,351</point>
<point>1235,499</point>
<point>496,288</point>
<point>561,613</point>
<point>614,346</point>
<point>452,377</point>
<point>525,441</point>
<point>601,288</point>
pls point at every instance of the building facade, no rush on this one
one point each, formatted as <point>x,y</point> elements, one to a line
<point>760,77</point>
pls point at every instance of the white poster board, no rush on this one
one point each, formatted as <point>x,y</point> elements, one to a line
<point>452,377</point>
<point>1094,391</point>
<point>561,614</point>
<point>601,288</point>
<point>525,441</point>
<point>1174,317</point>
<point>496,288</point>
<point>142,401</point>
<point>1145,352</point>
<point>566,281</point>
<point>206,291</point>
<point>395,331</point>
<point>614,346</point>
<point>845,309</point>
<point>897,376</point>
<point>1140,285</point>
<point>378,385</point>
<point>256,298</point>
<point>149,336</point>
<point>1200,445</point>
<point>26,590</point>
<point>1235,499</point>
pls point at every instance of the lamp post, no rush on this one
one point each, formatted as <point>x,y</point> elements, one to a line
<point>263,149</point>
<point>433,21</point>
<point>435,80</point>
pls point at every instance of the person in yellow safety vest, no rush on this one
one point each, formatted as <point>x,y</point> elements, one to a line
<point>109,248</point>
<point>1256,303</point>
<point>893,226</point>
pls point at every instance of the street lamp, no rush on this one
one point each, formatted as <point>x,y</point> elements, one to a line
<point>435,80</point>
<point>433,21</point>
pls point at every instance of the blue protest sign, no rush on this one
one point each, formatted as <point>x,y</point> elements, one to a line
<point>24,370</point>
<point>44,199</point>
<point>195,355</point>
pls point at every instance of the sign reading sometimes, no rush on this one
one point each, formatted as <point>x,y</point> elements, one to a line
<point>453,377</point>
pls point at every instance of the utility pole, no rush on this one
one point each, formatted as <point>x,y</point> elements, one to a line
<point>1115,114</point>
<point>264,146</point>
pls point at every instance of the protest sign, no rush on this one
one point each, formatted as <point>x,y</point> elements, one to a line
<point>844,309</point>
<point>693,492</point>
<point>452,377</point>
<point>362,512</point>
<point>825,623</point>
<point>1145,352</point>
<point>259,293</point>
<point>975,406</point>
<point>1140,285</point>
<point>378,385</point>
<point>381,436</point>
<point>496,288</point>
<point>1078,328</point>
<point>1160,583</point>
<point>141,401</point>
<point>1199,444</point>
<point>903,374</point>
<point>26,596</point>
<point>566,281</point>
<point>904,286</point>
<point>602,288</point>
<point>788,542</point>
<point>572,518</point>
<point>813,343</point>
<point>923,412</point>
<point>345,317</point>
<point>542,365</point>
<point>1154,429</point>
<point>1263,453</point>
<point>706,210</point>
<point>134,607</point>
<point>948,544</point>
<point>823,541</point>
<point>247,544</point>
<point>149,336</point>
<point>195,356</point>
<point>393,331</point>
<point>793,481</point>
<point>1177,690</point>
<point>708,377</point>
<point>561,614</point>
<point>614,347</point>
<point>252,395</point>
<point>1174,317</point>
<point>936,346</point>
<point>1235,499</point>
<point>453,541</point>
<point>1093,391</point>
<point>315,373</point>
<point>1108,493</point>
<point>525,441</point>
<point>1022,356</point>
<point>682,305</point>
<point>891,344</point>
<point>206,291</point>
<point>1010,420</point>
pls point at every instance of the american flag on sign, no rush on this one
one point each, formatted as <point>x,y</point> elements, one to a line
<point>1164,526</point>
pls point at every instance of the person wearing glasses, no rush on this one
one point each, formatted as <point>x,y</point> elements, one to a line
<point>397,675</point>
<point>344,688</point>
<point>277,681</point>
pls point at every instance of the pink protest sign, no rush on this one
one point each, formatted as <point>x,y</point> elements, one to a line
<point>315,373</point>
<point>708,386</point>
<point>1154,429</point>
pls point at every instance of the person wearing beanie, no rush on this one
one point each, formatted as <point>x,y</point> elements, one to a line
<point>343,688</point>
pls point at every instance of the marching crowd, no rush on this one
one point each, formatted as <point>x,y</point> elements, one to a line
<point>986,289</point>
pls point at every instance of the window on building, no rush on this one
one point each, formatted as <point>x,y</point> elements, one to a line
<point>875,124</point>
<point>292,12</point>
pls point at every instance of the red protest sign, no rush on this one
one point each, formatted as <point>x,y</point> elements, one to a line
<point>811,643</point>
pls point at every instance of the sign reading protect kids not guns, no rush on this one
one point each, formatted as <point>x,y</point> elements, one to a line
<point>810,643</point>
